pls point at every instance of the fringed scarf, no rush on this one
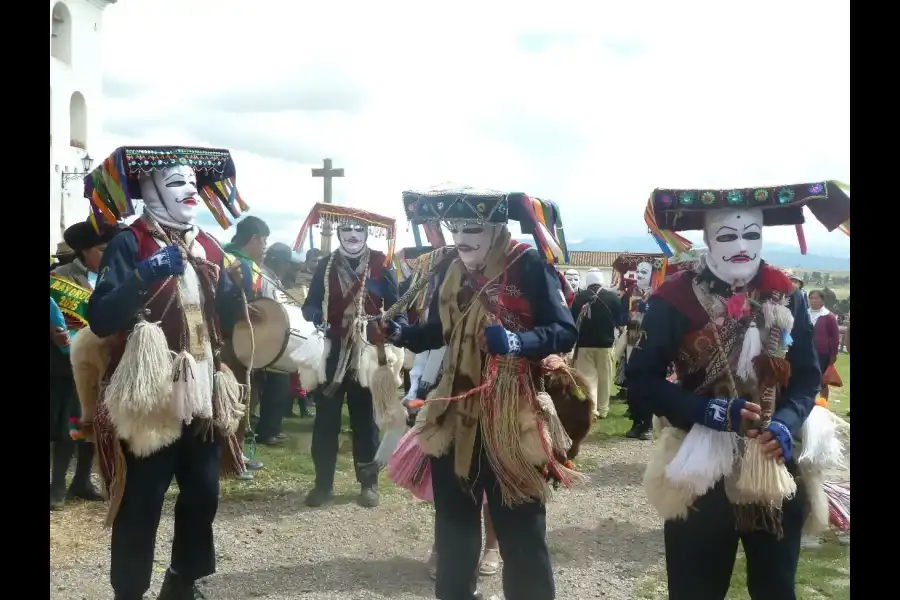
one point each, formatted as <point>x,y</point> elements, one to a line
<point>490,393</point>
<point>353,288</point>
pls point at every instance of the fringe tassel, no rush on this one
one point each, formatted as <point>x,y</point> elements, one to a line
<point>705,457</point>
<point>762,479</point>
<point>670,500</point>
<point>822,448</point>
<point>753,517</point>
<point>749,351</point>
<point>559,439</point>
<point>814,483</point>
<point>143,379</point>
<point>186,391</point>
<point>519,479</point>
<point>772,371</point>
<point>229,397</point>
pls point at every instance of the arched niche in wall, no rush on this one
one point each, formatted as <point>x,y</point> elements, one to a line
<point>78,121</point>
<point>61,33</point>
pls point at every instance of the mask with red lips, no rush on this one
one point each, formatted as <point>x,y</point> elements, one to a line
<point>171,196</point>
<point>352,239</point>
<point>734,239</point>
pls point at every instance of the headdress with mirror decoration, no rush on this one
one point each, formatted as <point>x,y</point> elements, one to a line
<point>112,187</point>
<point>337,215</point>
<point>670,210</point>
<point>455,204</point>
<point>628,262</point>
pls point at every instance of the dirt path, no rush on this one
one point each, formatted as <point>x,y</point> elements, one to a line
<point>603,537</point>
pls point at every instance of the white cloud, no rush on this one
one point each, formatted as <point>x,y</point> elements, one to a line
<point>592,106</point>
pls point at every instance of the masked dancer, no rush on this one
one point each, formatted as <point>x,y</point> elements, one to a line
<point>355,282</point>
<point>488,428</point>
<point>725,468</point>
<point>162,292</point>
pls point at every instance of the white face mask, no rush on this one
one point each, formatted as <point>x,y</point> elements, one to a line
<point>642,275</point>
<point>353,239</point>
<point>473,242</point>
<point>574,281</point>
<point>734,239</point>
<point>171,196</point>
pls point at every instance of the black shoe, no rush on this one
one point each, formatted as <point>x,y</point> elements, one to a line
<point>176,588</point>
<point>369,496</point>
<point>632,433</point>
<point>57,499</point>
<point>645,435</point>
<point>317,497</point>
<point>86,491</point>
<point>123,597</point>
<point>272,442</point>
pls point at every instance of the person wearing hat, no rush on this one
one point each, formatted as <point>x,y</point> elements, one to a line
<point>63,256</point>
<point>725,468</point>
<point>275,397</point>
<point>164,292</point>
<point>352,283</point>
<point>71,284</point>
<point>499,308</point>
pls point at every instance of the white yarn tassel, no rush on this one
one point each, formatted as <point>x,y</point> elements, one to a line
<point>229,396</point>
<point>559,439</point>
<point>822,447</point>
<point>389,444</point>
<point>186,391</point>
<point>143,379</point>
<point>705,457</point>
<point>784,318</point>
<point>750,350</point>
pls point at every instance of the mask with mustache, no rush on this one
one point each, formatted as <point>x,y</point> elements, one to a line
<point>473,242</point>
<point>352,239</point>
<point>171,196</point>
<point>734,239</point>
<point>643,275</point>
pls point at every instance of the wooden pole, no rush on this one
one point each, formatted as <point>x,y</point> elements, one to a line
<point>327,173</point>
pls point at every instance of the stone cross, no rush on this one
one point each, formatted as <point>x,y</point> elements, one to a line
<point>327,173</point>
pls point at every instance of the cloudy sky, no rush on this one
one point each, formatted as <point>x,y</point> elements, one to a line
<point>592,105</point>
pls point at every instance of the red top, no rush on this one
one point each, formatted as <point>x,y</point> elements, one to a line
<point>827,336</point>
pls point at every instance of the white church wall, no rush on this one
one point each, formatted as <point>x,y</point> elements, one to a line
<point>76,99</point>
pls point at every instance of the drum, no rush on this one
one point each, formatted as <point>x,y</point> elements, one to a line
<point>279,331</point>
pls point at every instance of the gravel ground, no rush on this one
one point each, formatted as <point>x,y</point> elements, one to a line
<point>603,537</point>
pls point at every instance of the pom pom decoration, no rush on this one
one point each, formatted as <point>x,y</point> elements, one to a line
<point>773,280</point>
<point>75,429</point>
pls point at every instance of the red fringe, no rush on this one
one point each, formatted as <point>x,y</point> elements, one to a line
<point>772,371</point>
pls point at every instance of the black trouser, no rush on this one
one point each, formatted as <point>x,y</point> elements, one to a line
<point>274,400</point>
<point>521,531</point>
<point>194,462</point>
<point>700,551</point>
<point>61,456</point>
<point>327,429</point>
<point>641,417</point>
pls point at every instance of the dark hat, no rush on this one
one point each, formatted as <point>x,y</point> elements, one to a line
<point>685,210</point>
<point>280,252</point>
<point>541,218</point>
<point>62,249</point>
<point>82,236</point>
<point>313,254</point>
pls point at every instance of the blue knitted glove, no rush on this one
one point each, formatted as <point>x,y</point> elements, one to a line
<point>502,342</point>
<point>166,262</point>
<point>394,329</point>
<point>721,414</point>
<point>783,436</point>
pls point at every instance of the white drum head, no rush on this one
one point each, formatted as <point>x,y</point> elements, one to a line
<point>270,335</point>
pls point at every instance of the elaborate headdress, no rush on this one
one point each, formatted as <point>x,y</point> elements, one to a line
<point>541,218</point>
<point>112,187</point>
<point>378,225</point>
<point>671,210</point>
<point>629,262</point>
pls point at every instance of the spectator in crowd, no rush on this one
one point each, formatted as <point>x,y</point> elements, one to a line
<point>826,335</point>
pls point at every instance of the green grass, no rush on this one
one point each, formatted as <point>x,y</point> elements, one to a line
<point>288,468</point>
<point>823,574</point>
<point>839,398</point>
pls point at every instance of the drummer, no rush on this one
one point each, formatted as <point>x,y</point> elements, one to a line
<point>360,283</point>
<point>275,391</point>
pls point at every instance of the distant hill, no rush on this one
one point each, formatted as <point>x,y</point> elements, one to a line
<point>781,255</point>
